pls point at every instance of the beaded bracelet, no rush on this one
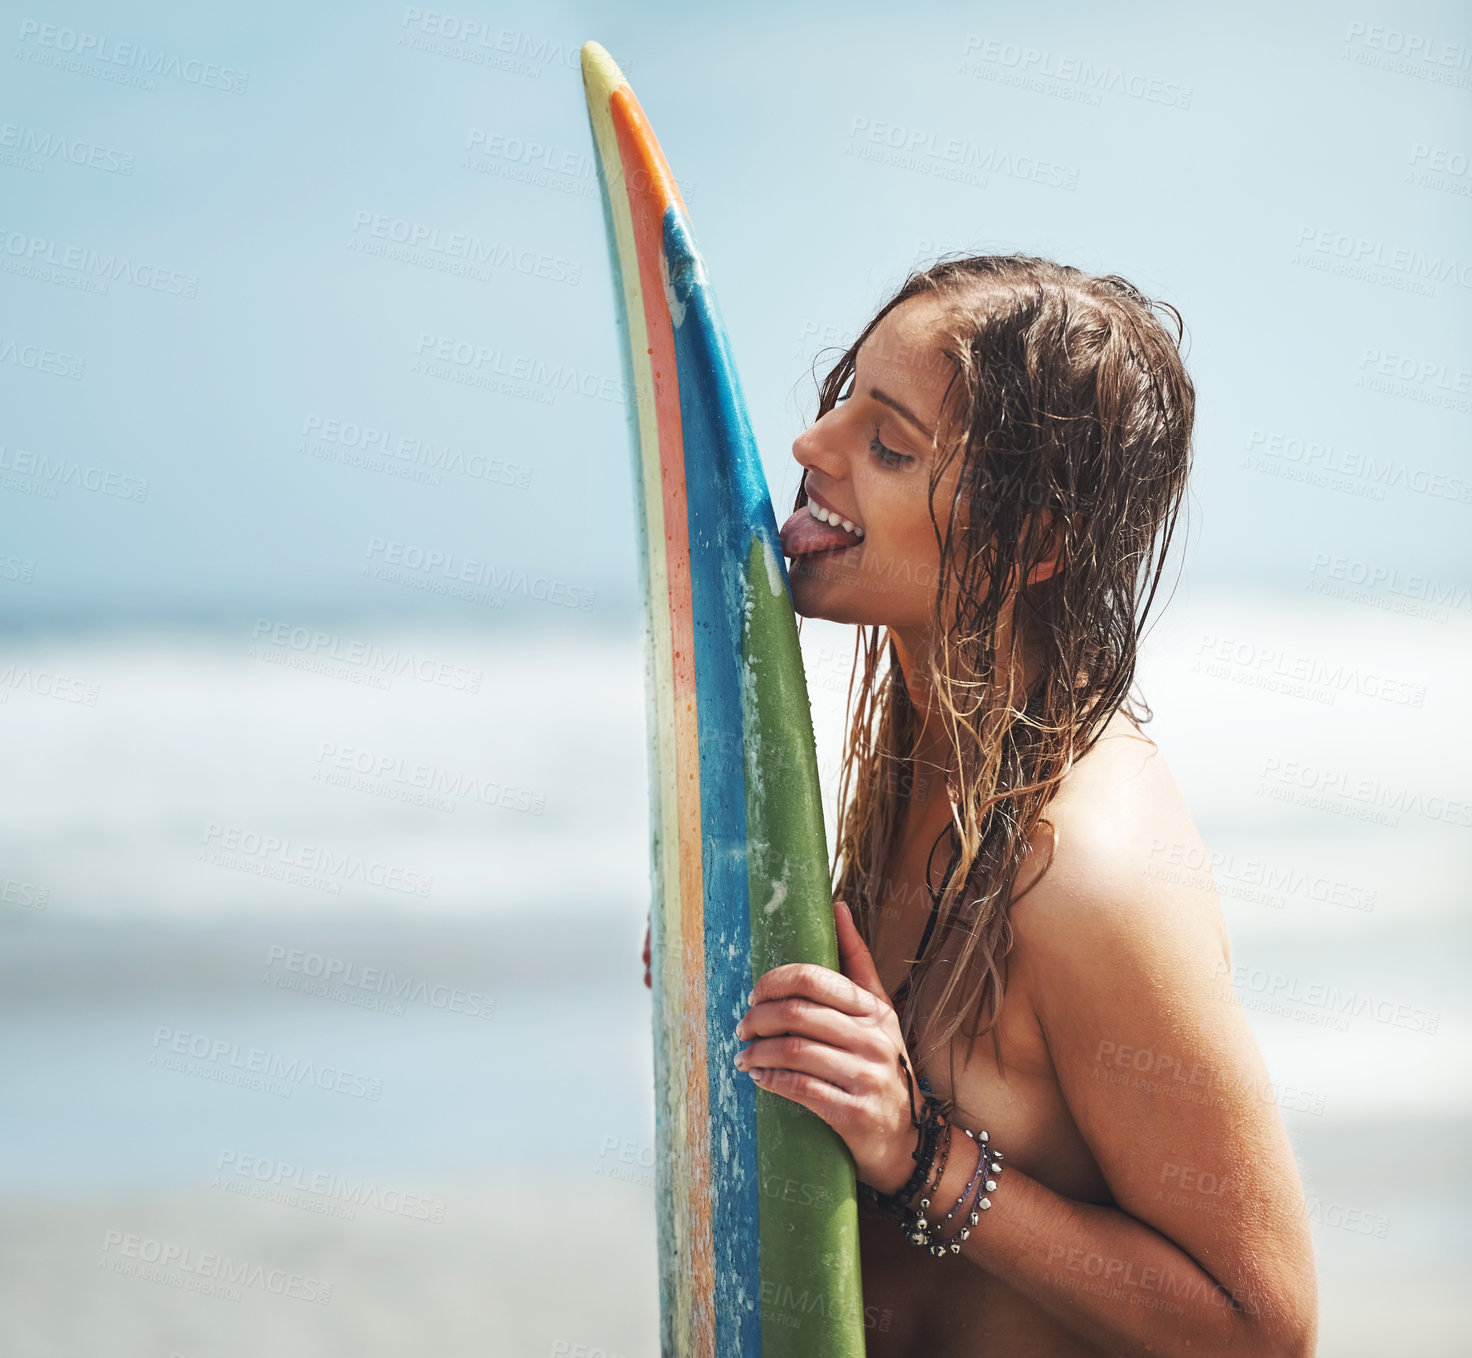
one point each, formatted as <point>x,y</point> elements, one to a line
<point>918,1230</point>
<point>930,1123</point>
<point>937,1245</point>
<point>940,1165</point>
<point>894,1204</point>
<point>992,1160</point>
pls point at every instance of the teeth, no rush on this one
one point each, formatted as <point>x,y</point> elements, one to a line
<point>824,516</point>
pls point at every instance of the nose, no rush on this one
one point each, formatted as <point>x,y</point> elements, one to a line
<point>819,449</point>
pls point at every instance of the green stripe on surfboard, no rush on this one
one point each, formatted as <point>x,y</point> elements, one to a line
<point>812,1294</point>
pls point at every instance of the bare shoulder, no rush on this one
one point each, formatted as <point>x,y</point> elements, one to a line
<point>1126,970</point>
<point>1120,828</point>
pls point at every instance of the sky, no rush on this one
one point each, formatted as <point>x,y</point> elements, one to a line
<point>248,388</point>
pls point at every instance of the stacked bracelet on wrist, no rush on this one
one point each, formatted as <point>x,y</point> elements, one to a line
<point>934,1128</point>
<point>894,1204</point>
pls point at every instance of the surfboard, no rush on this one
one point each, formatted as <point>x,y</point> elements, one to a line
<point>757,1215</point>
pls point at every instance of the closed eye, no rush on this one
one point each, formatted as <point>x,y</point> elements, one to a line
<point>887,456</point>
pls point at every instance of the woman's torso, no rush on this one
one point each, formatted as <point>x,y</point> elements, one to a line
<point>916,1304</point>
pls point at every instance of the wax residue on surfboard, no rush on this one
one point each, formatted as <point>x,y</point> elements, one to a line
<point>676,306</point>
<point>774,567</point>
<point>696,278</point>
<point>755,762</point>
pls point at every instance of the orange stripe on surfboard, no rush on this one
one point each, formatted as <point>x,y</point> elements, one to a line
<point>649,187</point>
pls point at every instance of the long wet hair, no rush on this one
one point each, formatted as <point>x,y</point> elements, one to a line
<point>1068,394</point>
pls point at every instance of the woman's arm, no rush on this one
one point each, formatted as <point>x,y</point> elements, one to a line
<point>1161,1074</point>
<point>1207,1250</point>
<point>1129,978</point>
<point>1113,1279</point>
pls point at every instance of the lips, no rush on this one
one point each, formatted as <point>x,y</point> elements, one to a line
<point>805,533</point>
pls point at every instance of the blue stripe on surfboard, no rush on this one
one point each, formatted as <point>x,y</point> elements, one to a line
<point>748,481</point>
<point>718,488</point>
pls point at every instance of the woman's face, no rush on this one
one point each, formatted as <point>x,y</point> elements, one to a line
<point>868,463</point>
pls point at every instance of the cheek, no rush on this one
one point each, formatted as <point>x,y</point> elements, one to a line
<point>906,536</point>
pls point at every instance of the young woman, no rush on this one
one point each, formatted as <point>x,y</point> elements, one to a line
<point>990,489</point>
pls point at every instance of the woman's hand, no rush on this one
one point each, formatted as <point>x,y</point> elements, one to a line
<point>832,1043</point>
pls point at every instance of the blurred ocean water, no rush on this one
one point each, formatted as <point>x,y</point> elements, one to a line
<point>206,762</point>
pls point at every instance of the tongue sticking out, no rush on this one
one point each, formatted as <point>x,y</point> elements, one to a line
<point>802,535</point>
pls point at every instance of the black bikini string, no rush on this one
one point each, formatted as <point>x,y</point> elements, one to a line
<point>935,899</point>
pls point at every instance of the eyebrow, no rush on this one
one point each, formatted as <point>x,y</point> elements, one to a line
<point>885,399</point>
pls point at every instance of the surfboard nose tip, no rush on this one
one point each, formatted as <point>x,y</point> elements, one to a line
<point>601,74</point>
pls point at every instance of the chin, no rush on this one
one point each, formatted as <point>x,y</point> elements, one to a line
<point>819,590</point>
<point>836,592</point>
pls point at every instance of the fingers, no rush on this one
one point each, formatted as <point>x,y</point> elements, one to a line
<point>869,1120</point>
<point>810,981</point>
<point>836,1107</point>
<point>801,1055</point>
<point>801,1017</point>
<point>853,952</point>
